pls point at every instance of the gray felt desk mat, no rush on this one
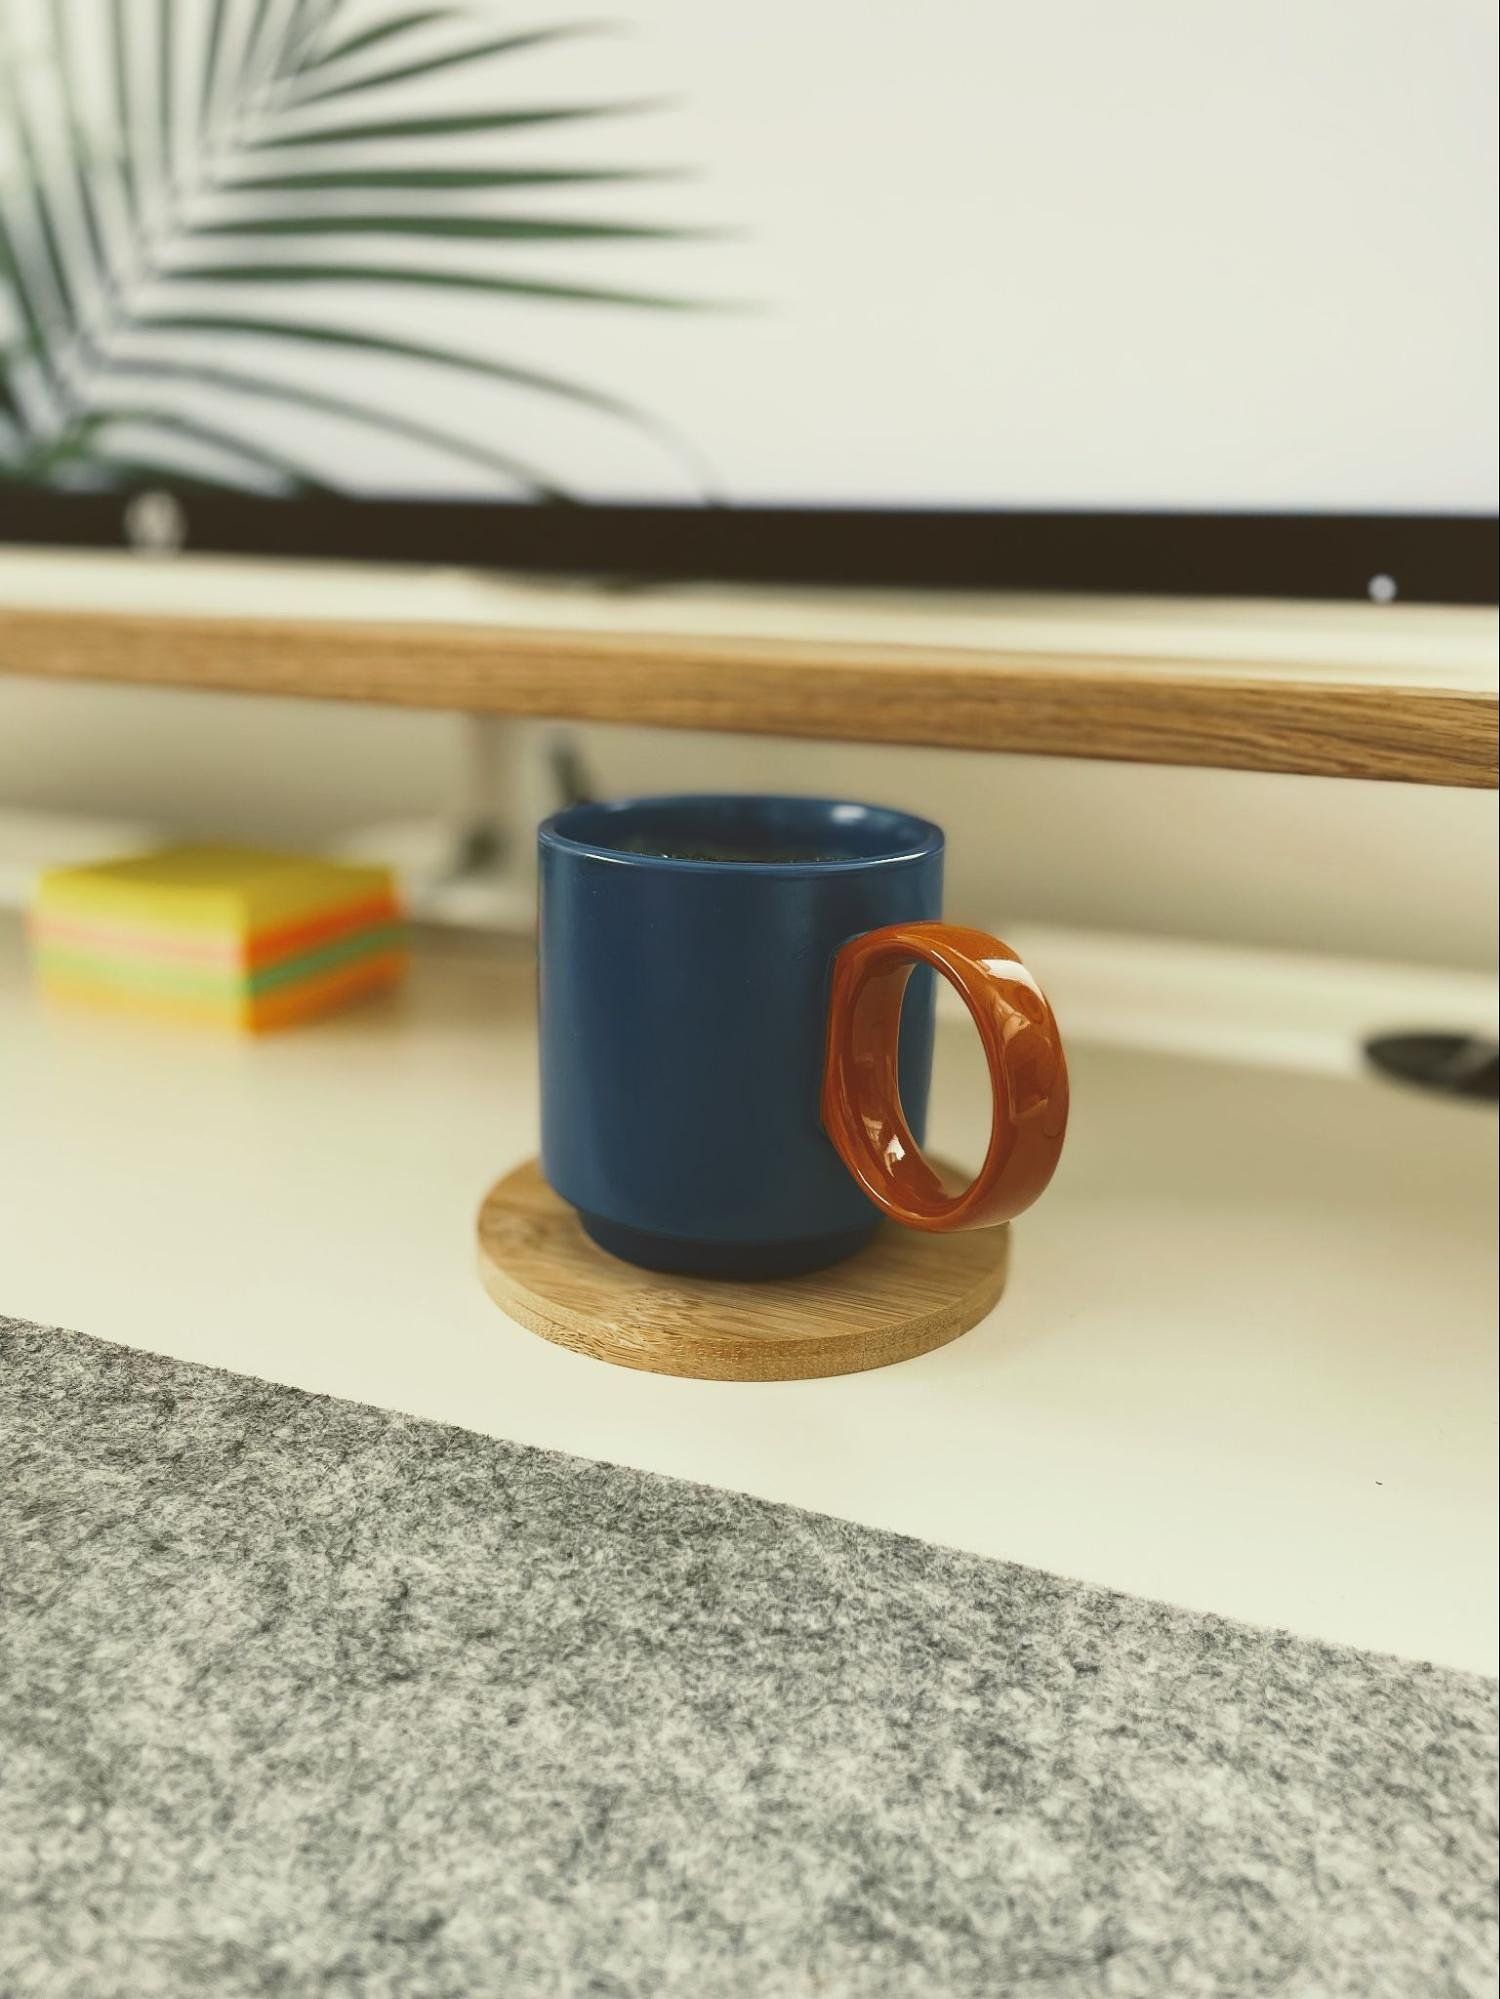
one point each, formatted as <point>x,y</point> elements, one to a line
<point>301,1697</point>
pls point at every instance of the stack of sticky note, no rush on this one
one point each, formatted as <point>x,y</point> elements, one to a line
<point>225,936</point>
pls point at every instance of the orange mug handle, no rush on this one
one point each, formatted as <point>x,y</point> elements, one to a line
<point>861,1105</point>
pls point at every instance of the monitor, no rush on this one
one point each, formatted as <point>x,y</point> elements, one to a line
<point>1159,294</point>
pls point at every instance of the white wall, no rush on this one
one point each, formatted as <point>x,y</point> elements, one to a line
<point>1388,871</point>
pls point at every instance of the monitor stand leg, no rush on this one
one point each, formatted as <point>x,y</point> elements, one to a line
<point>473,865</point>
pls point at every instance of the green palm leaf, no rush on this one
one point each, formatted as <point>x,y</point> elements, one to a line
<point>428,180</point>
<point>213,40</point>
<point>383,31</point>
<point>451,126</point>
<point>77,445</point>
<point>22,286</point>
<point>429,65</point>
<point>110,320</point>
<point>119,69</point>
<point>360,341</point>
<point>284,275</point>
<point>475,228</point>
<point>68,87</point>
<point>248,382</point>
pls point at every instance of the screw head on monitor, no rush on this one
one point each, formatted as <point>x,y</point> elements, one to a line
<point>155,523</point>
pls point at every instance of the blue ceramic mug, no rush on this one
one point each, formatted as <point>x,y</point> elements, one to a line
<point>735,1057</point>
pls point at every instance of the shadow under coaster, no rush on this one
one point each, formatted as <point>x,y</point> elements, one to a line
<point>905,1294</point>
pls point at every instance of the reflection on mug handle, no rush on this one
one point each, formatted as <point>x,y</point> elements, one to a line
<point>861,1104</point>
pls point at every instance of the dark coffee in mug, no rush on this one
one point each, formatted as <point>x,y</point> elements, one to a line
<point>700,851</point>
<point>736,1032</point>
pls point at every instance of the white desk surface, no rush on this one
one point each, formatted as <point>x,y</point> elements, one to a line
<point>1245,1362</point>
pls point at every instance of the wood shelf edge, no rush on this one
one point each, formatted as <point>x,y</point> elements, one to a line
<point>1117,709</point>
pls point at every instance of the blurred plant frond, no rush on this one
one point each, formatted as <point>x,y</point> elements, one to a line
<point>213,155</point>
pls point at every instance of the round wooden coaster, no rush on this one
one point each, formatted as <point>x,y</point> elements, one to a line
<point>904,1295</point>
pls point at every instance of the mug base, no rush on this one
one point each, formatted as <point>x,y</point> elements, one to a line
<point>681,1256</point>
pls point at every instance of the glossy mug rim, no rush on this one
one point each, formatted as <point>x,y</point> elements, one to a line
<point>575,831</point>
